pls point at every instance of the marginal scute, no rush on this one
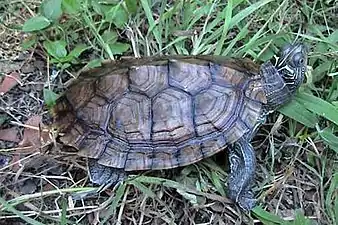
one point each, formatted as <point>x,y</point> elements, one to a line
<point>191,79</point>
<point>148,79</point>
<point>237,130</point>
<point>227,76</point>
<point>115,154</point>
<point>138,159</point>
<point>193,151</point>
<point>255,91</point>
<point>95,113</point>
<point>164,157</point>
<point>94,140</point>
<point>80,93</point>
<point>251,112</point>
<point>74,135</point>
<point>112,86</point>
<point>213,145</point>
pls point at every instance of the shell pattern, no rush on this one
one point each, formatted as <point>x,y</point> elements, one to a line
<point>160,113</point>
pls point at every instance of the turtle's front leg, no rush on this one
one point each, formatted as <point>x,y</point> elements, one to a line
<point>242,170</point>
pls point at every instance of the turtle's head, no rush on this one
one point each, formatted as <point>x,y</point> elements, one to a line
<point>281,81</point>
<point>292,65</point>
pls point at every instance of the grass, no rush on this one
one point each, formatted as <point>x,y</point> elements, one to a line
<point>297,180</point>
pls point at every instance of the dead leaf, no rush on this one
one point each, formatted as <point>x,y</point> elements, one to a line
<point>48,187</point>
<point>35,134</point>
<point>9,82</point>
<point>14,162</point>
<point>10,134</point>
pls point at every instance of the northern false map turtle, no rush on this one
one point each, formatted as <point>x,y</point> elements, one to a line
<point>163,112</point>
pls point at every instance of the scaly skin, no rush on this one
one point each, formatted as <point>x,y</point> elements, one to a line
<point>280,84</point>
<point>242,170</point>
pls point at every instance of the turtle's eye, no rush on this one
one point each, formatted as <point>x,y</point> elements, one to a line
<point>298,59</point>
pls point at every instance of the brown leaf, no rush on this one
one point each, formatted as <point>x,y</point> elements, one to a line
<point>35,133</point>
<point>10,134</point>
<point>15,166</point>
<point>9,82</point>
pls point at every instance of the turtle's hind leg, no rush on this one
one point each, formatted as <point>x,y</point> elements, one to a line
<point>104,175</point>
<point>242,170</point>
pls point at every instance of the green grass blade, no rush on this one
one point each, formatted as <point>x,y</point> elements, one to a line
<point>217,183</point>
<point>63,218</point>
<point>252,42</point>
<point>330,196</point>
<point>315,39</point>
<point>247,11</point>
<point>298,112</point>
<point>143,188</point>
<point>327,136</point>
<point>152,25</point>
<point>242,34</point>
<point>236,20</point>
<point>199,43</point>
<point>10,208</point>
<point>335,216</point>
<point>227,20</point>
<point>319,106</point>
<point>266,217</point>
<point>112,209</point>
<point>300,219</point>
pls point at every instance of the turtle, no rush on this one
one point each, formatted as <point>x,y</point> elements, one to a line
<point>162,112</point>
